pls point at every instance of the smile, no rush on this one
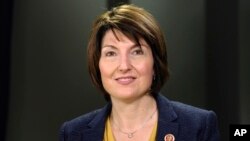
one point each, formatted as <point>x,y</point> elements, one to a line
<point>125,80</point>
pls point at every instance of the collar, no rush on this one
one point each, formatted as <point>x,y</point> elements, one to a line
<point>167,116</point>
<point>166,124</point>
<point>96,126</point>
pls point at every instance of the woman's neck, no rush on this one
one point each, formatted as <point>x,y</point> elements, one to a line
<point>133,115</point>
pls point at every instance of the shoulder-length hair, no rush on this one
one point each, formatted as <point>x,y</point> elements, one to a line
<point>134,22</point>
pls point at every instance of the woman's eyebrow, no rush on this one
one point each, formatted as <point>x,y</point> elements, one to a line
<point>109,46</point>
<point>135,45</point>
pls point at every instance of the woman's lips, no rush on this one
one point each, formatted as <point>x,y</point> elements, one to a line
<point>125,80</point>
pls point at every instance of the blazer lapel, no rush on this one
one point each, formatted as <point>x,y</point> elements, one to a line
<point>166,124</point>
<point>96,126</point>
<point>167,115</point>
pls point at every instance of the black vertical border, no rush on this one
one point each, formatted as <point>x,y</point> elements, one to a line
<point>5,48</point>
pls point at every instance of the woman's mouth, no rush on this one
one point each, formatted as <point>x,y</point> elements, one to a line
<point>125,80</point>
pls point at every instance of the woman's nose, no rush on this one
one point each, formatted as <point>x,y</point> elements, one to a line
<point>125,64</point>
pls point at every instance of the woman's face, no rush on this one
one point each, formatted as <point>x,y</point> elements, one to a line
<point>126,67</point>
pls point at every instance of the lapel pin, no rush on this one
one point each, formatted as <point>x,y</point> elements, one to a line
<point>169,137</point>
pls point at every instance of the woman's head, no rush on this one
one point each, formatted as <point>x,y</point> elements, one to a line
<point>136,24</point>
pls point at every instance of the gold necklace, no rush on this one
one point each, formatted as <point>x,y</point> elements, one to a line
<point>131,134</point>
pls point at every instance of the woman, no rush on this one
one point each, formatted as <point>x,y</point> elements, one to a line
<point>127,61</point>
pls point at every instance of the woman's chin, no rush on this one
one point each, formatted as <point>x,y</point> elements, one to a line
<point>126,97</point>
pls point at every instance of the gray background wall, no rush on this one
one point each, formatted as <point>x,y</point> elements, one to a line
<point>49,79</point>
<point>184,25</point>
<point>244,45</point>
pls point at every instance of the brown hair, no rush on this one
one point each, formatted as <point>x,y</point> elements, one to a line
<point>134,22</point>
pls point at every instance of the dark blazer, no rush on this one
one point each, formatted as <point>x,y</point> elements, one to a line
<point>185,122</point>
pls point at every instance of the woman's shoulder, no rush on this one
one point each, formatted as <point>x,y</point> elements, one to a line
<point>186,113</point>
<point>80,122</point>
<point>195,116</point>
<point>193,122</point>
<point>182,108</point>
<point>84,121</point>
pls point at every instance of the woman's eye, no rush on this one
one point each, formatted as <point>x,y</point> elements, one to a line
<point>110,53</point>
<point>138,52</point>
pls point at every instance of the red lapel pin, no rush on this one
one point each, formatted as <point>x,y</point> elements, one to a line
<point>169,137</point>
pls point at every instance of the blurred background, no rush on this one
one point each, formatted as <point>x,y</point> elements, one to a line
<point>44,78</point>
